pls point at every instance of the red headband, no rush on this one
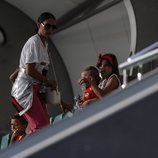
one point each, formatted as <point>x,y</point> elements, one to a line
<point>105,57</point>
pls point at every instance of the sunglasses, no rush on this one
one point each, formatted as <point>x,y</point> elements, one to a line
<point>48,26</point>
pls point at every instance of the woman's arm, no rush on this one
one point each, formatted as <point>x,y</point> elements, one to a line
<point>14,75</point>
<point>31,71</point>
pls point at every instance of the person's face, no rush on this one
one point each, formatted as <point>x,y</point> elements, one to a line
<point>16,125</point>
<point>105,69</point>
<point>47,27</point>
<point>85,77</point>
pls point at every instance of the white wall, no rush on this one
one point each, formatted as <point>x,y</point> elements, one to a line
<point>106,32</point>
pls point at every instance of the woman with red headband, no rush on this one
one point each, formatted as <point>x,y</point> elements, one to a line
<point>108,68</point>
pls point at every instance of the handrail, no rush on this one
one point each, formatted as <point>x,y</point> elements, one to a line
<point>106,107</point>
<point>138,61</point>
<point>145,50</point>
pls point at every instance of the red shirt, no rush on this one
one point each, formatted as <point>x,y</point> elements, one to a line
<point>89,94</point>
<point>20,137</point>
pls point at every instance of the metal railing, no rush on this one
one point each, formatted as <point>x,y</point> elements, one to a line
<point>138,61</point>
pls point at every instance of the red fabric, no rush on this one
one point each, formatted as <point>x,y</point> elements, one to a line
<point>105,57</point>
<point>89,94</point>
<point>20,137</point>
<point>17,106</point>
<point>37,116</point>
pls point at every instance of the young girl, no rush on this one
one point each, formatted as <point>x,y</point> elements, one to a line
<point>108,68</point>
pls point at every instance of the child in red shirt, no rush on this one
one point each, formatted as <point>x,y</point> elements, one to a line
<point>88,94</point>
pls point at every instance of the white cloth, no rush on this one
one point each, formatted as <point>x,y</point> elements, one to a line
<point>102,84</point>
<point>33,52</point>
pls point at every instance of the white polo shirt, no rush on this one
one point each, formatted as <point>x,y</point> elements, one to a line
<point>35,52</point>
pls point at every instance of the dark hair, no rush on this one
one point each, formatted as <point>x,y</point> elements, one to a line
<point>44,16</point>
<point>20,118</point>
<point>93,72</point>
<point>113,62</point>
<point>115,69</point>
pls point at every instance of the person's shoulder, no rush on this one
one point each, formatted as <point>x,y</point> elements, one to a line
<point>115,78</point>
<point>32,40</point>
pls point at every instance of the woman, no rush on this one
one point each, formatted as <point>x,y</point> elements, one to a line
<point>31,75</point>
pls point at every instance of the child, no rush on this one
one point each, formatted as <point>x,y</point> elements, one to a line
<point>108,68</point>
<point>18,128</point>
<point>89,96</point>
<point>18,131</point>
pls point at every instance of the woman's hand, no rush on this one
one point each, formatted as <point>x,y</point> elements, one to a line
<point>14,75</point>
<point>31,71</point>
<point>52,84</point>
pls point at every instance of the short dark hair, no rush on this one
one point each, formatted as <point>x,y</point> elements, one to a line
<point>20,118</point>
<point>44,16</point>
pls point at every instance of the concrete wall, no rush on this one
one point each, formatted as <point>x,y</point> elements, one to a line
<point>146,19</point>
